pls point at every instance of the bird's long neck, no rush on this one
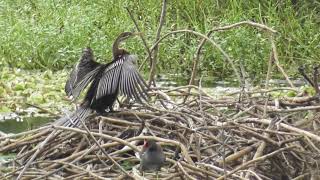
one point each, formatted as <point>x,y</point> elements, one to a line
<point>116,51</point>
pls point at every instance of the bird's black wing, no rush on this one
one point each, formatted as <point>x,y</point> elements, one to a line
<point>82,74</point>
<point>122,76</point>
<point>131,83</point>
<point>109,80</point>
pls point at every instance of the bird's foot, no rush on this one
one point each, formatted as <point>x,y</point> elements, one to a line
<point>112,111</point>
<point>102,113</point>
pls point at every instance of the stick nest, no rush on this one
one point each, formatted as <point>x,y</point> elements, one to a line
<point>244,135</point>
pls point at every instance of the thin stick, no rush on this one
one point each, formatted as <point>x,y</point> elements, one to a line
<point>42,109</point>
<point>103,151</point>
<point>288,127</point>
<point>24,133</point>
<point>315,79</point>
<point>197,57</point>
<point>209,40</point>
<point>142,37</point>
<point>271,58</point>
<point>275,56</point>
<point>262,158</point>
<point>82,169</point>
<point>263,144</point>
<point>184,171</point>
<point>120,141</point>
<point>250,23</point>
<point>295,109</point>
<point>156,48</point>
<point>305,76</point>
<point>41,146</point>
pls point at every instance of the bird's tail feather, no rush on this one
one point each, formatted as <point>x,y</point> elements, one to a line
<point>75,118</point>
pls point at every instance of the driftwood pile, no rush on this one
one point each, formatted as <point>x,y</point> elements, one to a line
<point>244,135</point>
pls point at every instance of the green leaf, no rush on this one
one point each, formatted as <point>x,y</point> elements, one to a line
<point>5,109</point>
<point>36,98</point>
<point>291,94</point>
<point>2,92</point>
<point>19,87</point>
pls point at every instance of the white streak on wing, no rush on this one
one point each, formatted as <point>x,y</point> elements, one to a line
<point>125,78</point>
<point>115,79</point>
<point>138,87</point>
<point>127,84</point>
<point>132,84</point>
<point>113,73</point>
<point>133,87</point>
<point>121,79</point>
<point>142,88</point>
<point>120,85</point>
<point>109,81</point>
<point>109,84</point>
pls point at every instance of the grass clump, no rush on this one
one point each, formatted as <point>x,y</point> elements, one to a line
<point>50,34</point>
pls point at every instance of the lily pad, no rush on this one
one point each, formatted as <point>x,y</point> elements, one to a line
<point>19,87</point>
<point>291,94</point>
<point>36,98</point>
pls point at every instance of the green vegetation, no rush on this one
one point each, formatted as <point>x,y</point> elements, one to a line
<point>37,34</point>
<point>20,87</point>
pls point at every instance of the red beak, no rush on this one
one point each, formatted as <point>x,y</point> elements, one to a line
<point>145,143</point>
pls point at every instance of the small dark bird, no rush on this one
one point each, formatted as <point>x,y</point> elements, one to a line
<point>151,156</point>
<point>106,81</point>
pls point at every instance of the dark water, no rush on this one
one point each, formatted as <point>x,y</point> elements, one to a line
<point>22,124</point>
<point>173,80</point>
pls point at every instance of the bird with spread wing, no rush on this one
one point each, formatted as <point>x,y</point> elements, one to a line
<point>105,81</point>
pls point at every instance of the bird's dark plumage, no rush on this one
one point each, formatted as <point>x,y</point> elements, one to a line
<point>151,156</point>
<point>106,81</point>
<point>120,76</point>
<point>81,74</point>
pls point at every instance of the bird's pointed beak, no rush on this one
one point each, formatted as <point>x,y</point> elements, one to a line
<point>137,33</point>
<point>145,142</point>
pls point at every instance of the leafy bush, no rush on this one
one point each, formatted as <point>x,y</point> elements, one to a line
<point>40,34</point>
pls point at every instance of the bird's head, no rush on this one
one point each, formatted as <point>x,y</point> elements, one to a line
<point>150,145</point>
<point>125,35</point>
<point>87,54</point>
<point>87,50</point>
<point>122,37</point>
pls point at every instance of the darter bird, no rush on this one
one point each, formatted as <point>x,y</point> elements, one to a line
<point>105,81</point>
